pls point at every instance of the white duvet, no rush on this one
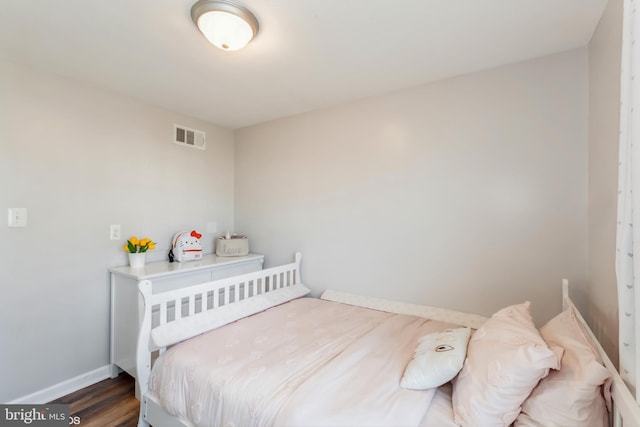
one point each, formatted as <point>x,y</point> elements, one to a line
<point>304,363</point>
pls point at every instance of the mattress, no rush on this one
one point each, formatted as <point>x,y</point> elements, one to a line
<point>308,362</point>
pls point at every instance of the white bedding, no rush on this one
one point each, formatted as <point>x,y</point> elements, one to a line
<point>304,363</point>
<point>440,413</point>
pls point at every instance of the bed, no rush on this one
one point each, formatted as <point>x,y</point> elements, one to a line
<point>256,350</point>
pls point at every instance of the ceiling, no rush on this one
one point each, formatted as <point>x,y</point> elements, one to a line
<point>309,54</point>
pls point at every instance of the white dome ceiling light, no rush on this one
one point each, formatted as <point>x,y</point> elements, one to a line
<point>225,24</point>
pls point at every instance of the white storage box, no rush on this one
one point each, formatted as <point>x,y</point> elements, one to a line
<point>235,245</point>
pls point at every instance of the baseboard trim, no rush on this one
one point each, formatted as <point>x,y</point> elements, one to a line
<point>65,387</point>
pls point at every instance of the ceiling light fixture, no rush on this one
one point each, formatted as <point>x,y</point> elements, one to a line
<point>225,24</point>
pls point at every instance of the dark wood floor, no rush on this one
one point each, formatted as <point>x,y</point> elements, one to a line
<point>109,403</point>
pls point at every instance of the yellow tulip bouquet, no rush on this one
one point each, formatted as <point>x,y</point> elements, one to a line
<point>135,246</point>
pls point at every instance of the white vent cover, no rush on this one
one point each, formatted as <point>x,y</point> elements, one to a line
<point>189,137</point>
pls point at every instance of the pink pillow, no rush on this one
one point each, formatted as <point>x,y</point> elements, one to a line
<point>506,358</point>
<point>572,396</point>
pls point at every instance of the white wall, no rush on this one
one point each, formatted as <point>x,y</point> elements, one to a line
<point>604,103</point>
<point>469,193</point>
<point>80,159</point>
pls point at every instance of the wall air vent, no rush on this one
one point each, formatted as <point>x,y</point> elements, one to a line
<point>189,137</point>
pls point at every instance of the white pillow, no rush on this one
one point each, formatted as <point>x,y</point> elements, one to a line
<point>573,395</point>
<point>505,360</point>
<point>438,358</point>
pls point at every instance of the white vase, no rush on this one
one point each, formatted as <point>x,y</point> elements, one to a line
<point>136,260</point>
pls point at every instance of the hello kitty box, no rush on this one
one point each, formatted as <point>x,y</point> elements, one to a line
<point>186,246</point>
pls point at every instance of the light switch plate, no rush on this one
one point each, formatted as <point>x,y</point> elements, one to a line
<point>115,232</point>
<point>17,217</point>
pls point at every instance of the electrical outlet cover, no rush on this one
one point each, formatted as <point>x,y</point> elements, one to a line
<point>17,217</point>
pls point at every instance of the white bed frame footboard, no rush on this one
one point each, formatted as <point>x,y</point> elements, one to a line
<point>190,302</point>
